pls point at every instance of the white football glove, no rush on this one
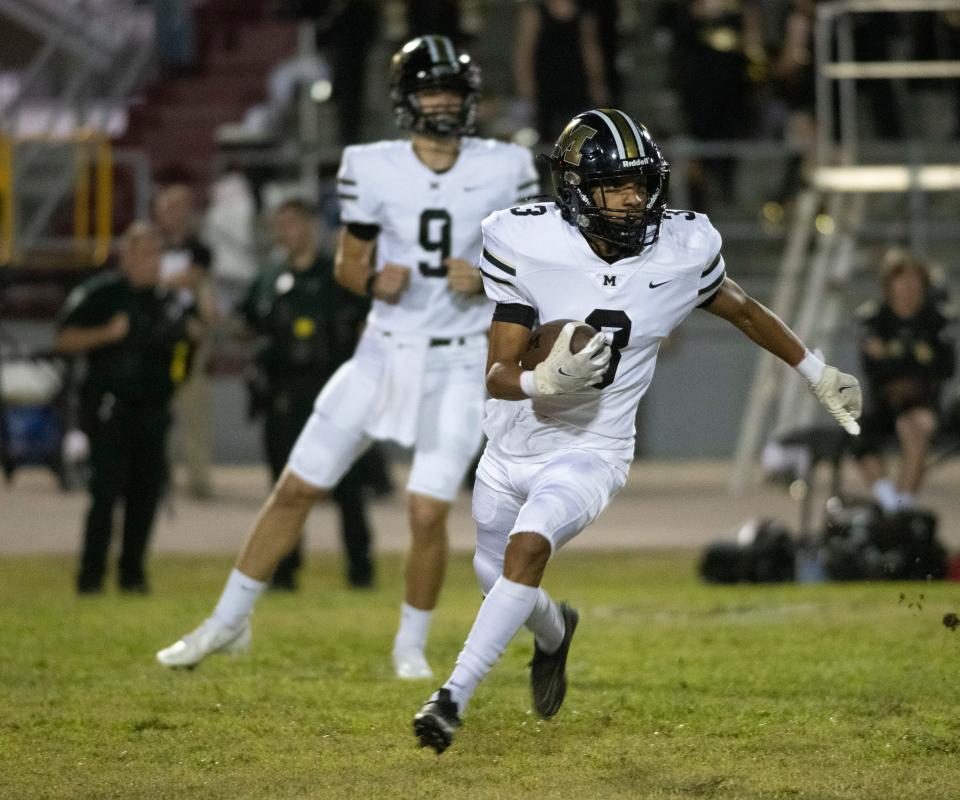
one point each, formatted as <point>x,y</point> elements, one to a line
<point>562,371</point>
<point>840,394</point>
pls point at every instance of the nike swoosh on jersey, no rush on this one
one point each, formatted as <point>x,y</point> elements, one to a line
<point>655,285</point>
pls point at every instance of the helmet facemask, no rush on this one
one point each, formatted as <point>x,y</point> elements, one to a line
<point>630,230</point>
<point>449,120</point>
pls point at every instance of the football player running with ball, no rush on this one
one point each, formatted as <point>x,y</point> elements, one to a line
<point>606,251</point>
<point>411,212</point>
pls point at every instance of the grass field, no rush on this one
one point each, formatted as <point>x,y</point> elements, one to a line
<point>677,690</point>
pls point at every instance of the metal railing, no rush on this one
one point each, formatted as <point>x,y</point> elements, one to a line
<point>842,182</point>
<point>97,52</point>
<point>7,220</point>
<point>80,173</point>
<point>834,31</point>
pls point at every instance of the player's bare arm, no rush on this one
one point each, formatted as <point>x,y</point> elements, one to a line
<point>353,268</point>
<point>508,341</point>
<point>839,392</point>
<point>757,321</point>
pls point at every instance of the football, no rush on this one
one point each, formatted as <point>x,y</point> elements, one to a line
<point>543,337</point>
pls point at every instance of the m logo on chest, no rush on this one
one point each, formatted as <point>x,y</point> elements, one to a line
<point>612,283</point>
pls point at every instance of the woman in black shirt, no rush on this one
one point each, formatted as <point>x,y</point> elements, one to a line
<point>907,356</point>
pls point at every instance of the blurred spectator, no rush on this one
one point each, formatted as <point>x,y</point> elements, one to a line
<point>937,36</point>
<point>228,228</point>
<point>906,357</point>
<point>175,34</point>
<point>185,267</point>
<point>347,32</point>
<point>135,334</point>
<point>277,118</point>
<point>951,36</point>
<point>558,62</point>
<point>874,35</point>
<point>792,79</point>
<point>714,41</point>
<point>607,13</point>
<point>306,327</point>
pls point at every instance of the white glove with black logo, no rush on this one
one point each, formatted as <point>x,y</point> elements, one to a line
<point>840,394</point>
<point>562,372</point>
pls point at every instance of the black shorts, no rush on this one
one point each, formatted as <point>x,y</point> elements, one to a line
<point>878,427</point>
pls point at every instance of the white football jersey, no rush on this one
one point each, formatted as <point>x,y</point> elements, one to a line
<point>532,257</point>
<point>425,217</point>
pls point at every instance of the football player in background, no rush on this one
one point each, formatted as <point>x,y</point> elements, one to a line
<point>561,436</point>
<point>411,212</point>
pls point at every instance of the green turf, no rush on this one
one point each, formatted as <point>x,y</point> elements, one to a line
<point>677,690</point>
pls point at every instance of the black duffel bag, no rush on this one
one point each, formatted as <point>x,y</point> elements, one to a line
<point>764,552</point>
<point>861,542</point>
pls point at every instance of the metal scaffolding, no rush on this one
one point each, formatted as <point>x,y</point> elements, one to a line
<point>90,56</point>
<point>819,260</point>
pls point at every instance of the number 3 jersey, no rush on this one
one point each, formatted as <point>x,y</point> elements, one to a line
<point>425,217</point>
<point>540,267</point>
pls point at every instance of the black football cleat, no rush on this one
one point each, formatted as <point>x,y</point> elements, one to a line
<point>548,671</point>
<point>436,722</point>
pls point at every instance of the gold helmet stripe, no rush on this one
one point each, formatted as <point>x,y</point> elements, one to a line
<point>630,140</point>
<point>636,131</point>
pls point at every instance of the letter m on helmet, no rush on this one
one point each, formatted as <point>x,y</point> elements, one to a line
<point>573,141</point>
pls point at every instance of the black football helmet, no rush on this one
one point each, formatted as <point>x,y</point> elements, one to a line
<point>431,62</point>
<point>601,147</point>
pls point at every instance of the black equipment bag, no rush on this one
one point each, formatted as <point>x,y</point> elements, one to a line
<point>861,542</point>
<point>766,557</point>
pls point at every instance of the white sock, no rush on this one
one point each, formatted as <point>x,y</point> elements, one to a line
<point>886,494</point>
<point>506,608</point>
<point>413,630</point>
<point>239,595</point>
<point>546,622</point>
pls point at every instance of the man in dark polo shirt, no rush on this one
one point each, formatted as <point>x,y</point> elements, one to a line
<point>306,326</point>
<point>134,333</point>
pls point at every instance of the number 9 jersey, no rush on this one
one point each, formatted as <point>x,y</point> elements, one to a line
<point>536,267</point>
<point>425,217</point>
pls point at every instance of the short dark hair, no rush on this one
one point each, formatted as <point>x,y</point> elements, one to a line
<point>299,205</point>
